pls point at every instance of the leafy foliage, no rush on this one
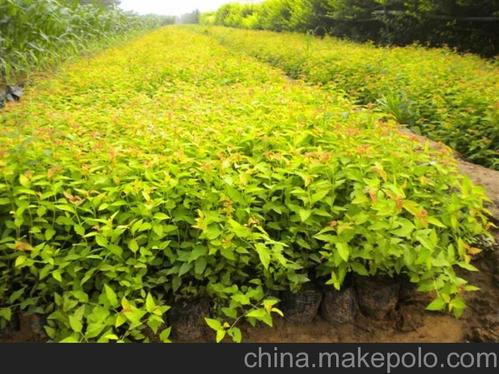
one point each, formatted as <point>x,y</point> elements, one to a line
<point>449,98</point>
<point>467,25</point>
<point>172,167</point>
<point>38,34</point>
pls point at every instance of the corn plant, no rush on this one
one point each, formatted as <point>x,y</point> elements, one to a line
<point>36,34</point>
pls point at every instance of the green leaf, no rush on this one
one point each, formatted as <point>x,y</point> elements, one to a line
<point>240,230</point>
<point>14,296</point>
<point>269,303</point>
<point>115,249</point>
<point>70,339</point>
<point>425,240</point>
<point>103,207</point>
<point>56,274</point>
<point>101,241</point>
<point>20,261</point>
<point>158,230</point>
<point>457,306</point>
<point>133,245</point>
<point>184,268</point>
<point>436,222</point>
<point>5,313</point>
<point>241,299</point>
<point>75,323</point>
<point>111,336</point>
<point>263,254</point>
<point>49,233</point>
<point>467,266</point>
<point>257,313</point>
<point>79,230</point>
<point>471,288</point>
<point>24,181</point>
<point>51,332</point>
<point>212,232</point>
<point>220,335</point>
<point>111,296</point>
<point>165,334</point>
<point>436,305</point>
<point>235,334</point>
<point>343,250</point>
<point>154,322</point>
<point>150,304</point>
<point>261,315</point>
<point>277,311</point>
<point>161,216</point>
<point>197,252</point>
<point>120,320</point>
<point>406,228</point>
<point>213,324</point>
<point>304,214</point>
<point>359,268</point>
<point>200,265</point>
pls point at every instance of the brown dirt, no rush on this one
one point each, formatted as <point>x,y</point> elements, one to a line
<point>27,329</point>
<point>487,178</point>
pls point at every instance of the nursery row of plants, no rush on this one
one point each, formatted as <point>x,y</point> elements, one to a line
<point>435,92</point>
<point>37,34</point>
<point>172,169</point>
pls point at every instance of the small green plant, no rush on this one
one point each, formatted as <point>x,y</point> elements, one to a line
<point>400,107</point>
<point>245,305</point>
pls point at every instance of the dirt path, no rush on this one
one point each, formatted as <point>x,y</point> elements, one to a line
<point>487,178</point>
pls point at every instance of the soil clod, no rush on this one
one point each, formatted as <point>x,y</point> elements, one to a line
<point>301,307</point>
<point>187,320</point>
<point>410,317</point>
<point>377,296</point>
<point>339,307</point>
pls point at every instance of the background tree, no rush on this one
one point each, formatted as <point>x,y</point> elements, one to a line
<point>468,25</point>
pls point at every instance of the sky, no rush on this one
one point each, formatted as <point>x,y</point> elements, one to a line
<point>174,7</point>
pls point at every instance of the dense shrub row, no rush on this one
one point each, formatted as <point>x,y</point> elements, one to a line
<point>437,93</point>
<point>467,25</point>
<point>171,168</point>
<point>37,34</point>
